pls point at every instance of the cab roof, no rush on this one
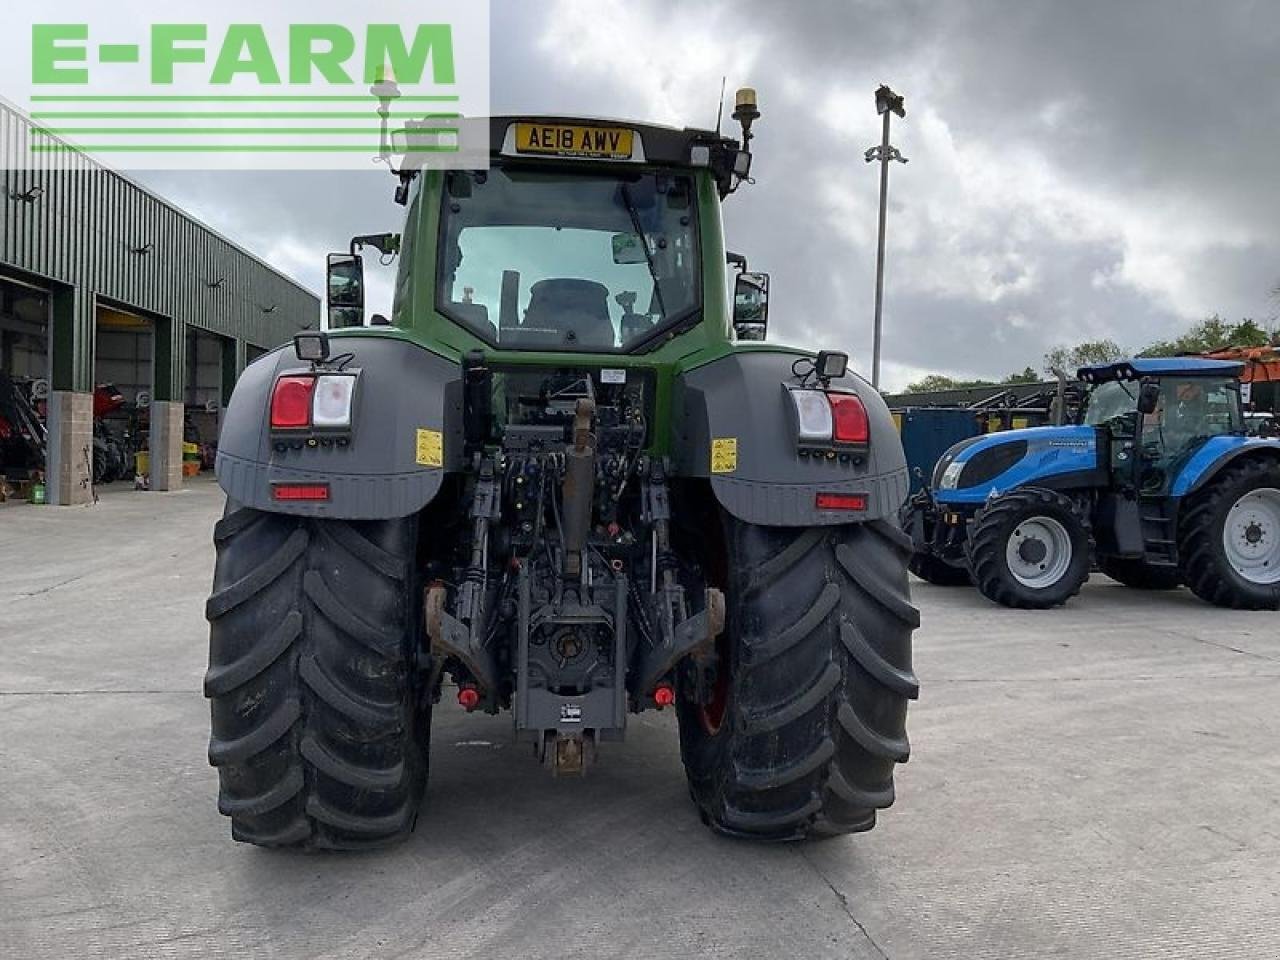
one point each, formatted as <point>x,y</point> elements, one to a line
<point>532,139</point>
<point>1140,367</point>
<point>661,144</point>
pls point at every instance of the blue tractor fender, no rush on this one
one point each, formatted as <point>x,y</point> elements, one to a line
<point>1068,457</point>
<point>1215,454</point>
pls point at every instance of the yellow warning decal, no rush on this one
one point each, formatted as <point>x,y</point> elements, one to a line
<point>724,454</point>
<point>430,448</point>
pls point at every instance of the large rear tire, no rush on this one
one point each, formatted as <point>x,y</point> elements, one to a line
<point>809,715</point>
<point>1140,575</point>
<point>319,726</point>
<point>1029,549</point>
<point>1229,538</point>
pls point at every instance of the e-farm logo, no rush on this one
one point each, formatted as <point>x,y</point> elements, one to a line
<point>246,94</point>
<point>316,50</point>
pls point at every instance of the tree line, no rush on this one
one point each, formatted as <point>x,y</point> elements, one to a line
<point>1212,333</point>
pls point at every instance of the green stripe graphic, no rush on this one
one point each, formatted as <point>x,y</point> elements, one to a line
<point>234,148</point>
<point>205,131</point>
<point>243,98</point>
<point>183,116</point>
<point>211,115</point>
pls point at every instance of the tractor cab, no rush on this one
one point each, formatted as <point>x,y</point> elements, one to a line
<point>580,236</point>
<point>1155,414</point>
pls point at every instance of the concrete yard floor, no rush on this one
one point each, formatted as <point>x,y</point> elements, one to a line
<point>1097,781</point>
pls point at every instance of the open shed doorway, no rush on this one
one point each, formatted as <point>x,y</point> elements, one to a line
<point>209,374</point>
<point>124,386</point>
<point>24,387</point>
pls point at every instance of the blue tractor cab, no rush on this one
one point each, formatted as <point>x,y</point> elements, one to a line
<point>1158,483</point>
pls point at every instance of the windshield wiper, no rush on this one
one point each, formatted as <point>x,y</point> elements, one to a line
<point>644,244</point>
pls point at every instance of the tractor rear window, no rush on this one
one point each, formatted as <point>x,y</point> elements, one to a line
<point>1192,409</point>
<point>531,260</point>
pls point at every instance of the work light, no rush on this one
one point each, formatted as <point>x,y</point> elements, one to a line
<point>831,364</point>
<point>313,346</point>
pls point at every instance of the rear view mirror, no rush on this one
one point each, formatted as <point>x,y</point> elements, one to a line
<point>751,306</point>
<point>345,289</point>
<point>628,248</point>
<point>1148,397</point>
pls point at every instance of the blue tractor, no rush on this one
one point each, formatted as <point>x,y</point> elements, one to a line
<point>1158,484</point>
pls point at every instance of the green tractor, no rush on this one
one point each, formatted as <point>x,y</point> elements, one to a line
<point>569,478</point>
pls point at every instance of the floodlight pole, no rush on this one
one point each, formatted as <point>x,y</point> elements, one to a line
<point>887,103</point>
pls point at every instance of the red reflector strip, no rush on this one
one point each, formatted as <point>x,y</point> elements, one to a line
<point>300,491</point>
<point>842,501</point>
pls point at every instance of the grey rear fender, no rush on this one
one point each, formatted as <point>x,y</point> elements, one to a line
<point>405,405</point>
<point>741,398</point>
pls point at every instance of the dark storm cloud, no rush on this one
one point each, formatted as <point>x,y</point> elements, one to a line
<point>1149,92</point>
<point>1077,169</point>
<point>1158,122</point>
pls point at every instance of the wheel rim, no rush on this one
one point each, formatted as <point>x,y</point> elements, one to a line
<point>1039,552</point>
<point>712,713</point>
<point>1251,535</point>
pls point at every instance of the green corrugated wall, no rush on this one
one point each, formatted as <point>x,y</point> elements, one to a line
<point>79,239</point>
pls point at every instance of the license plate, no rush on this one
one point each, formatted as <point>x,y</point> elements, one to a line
<point>613,143</point>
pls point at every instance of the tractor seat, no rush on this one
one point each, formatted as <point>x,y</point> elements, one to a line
<point>474,315</point>
<point>577,310</point>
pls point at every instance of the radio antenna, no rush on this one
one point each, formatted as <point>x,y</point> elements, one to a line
<point>720,111</point>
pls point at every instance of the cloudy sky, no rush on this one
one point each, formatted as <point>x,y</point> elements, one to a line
<point>1077,170</point>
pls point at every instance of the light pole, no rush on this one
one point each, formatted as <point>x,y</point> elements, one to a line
<point>887,102</point>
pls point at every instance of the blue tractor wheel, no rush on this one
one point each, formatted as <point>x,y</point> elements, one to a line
<point>1029,549</point>
<point>1229,537</point>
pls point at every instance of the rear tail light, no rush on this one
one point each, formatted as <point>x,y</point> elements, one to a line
<point>850,418</point>
<point>291,402</point>
<point>331,406</point>
<point>828,420</point>
<point>300,491</point>
<point>813,416</point>
<point>312,400</point>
